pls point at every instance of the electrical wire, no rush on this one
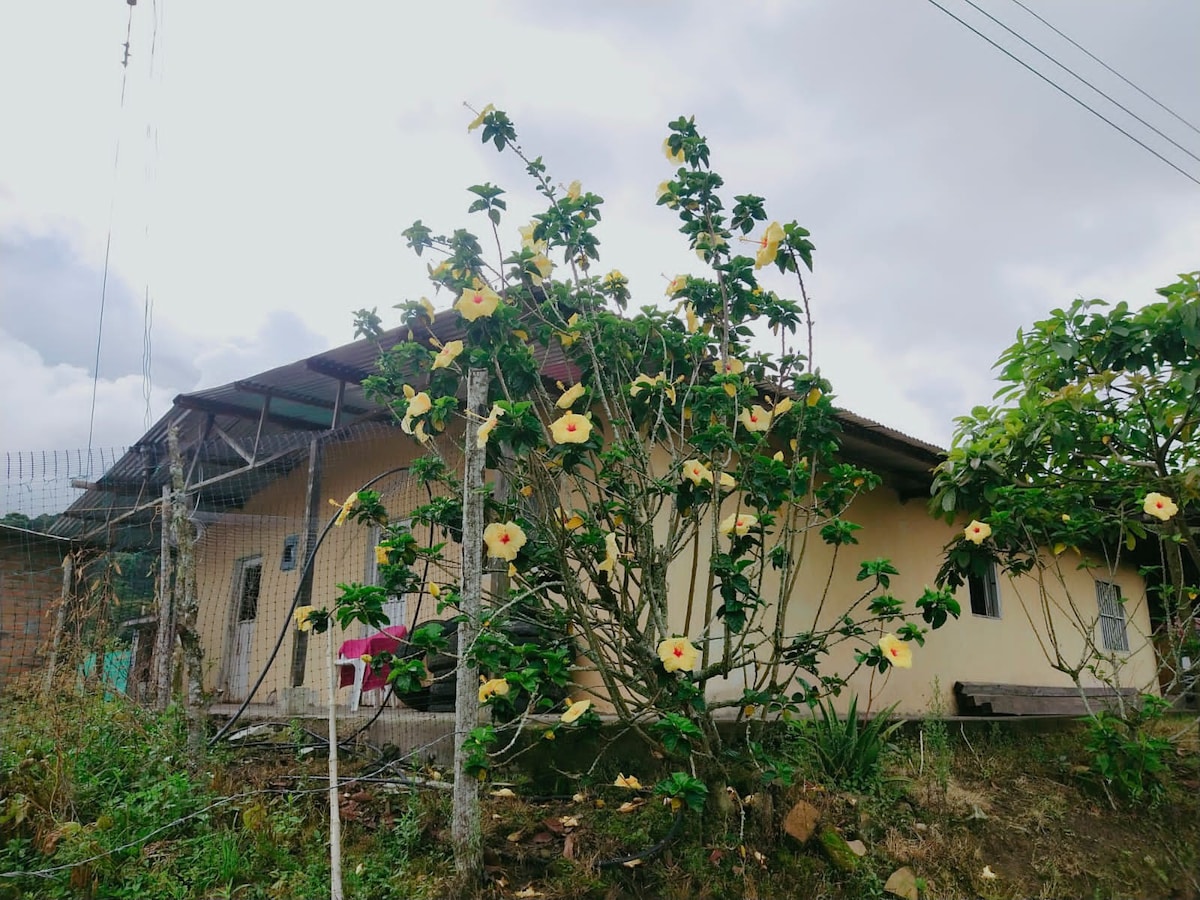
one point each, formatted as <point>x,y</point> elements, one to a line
<point>151,170</point>
<point>1080,78</point>
<point>112,201</point>
<point>1084,50</point>
<point>1067,93</point>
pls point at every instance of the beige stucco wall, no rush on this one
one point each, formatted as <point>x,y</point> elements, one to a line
<point>260,529</point>
<point>974,648</point>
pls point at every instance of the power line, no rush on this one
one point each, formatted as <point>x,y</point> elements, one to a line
<point>1080,47</point>
<point>1067,93</point>
<point>112,201</point>
<point>1079,77</point>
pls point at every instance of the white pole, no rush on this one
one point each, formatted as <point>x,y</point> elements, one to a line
<point>335,816</point>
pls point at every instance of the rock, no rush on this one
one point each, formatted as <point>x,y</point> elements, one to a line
<point>840,853</point>
<point>902,883</point>
<point>859,848</point>
<point>801,821</point>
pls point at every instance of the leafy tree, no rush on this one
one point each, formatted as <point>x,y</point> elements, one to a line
<point>1089,460</point>
<point>670,462</point>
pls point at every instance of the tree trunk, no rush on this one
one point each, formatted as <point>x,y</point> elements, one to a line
<point>186,603</point>
<point>164,638</point>
<point>465,825</point>
<point>60,617</point>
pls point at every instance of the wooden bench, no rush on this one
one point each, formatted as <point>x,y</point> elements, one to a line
<point>982,699</point>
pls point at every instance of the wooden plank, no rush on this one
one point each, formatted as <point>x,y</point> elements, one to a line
<point>976,698</point>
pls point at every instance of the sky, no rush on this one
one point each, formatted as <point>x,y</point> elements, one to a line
<point>250,190</point>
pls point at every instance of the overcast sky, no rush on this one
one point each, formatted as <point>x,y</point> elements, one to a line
<point>271,153</point>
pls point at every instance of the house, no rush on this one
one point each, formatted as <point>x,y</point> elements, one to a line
<point>262,458</point>
<point>32,583</point>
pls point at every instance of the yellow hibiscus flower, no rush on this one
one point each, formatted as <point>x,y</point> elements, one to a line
<point>485,430</point>
<point>300,614</point>
<point>345,507</point>
<point>768,245</point>
<point>496,687</point>
<point>571,428</point>
<point>674,156</point>
<point>642,382</point>
<point>977,532</point>
<point>569,521</point>
<point>477,303</point>
<point>677,285</point>
<point>1160,506</point>
<point>738,523</point>
<point>614,279</point>
<point>734,367</point>
<point>428,307</point>
<point>677,654</point>
<point>576,709</point>
<point>573,393</point>
<point>504,540</point>
<point>447,354</point>
<point>693,321</point>
<point>611,553</point>
<point>755,418</point>
<point>696,471</point>
<point>418,405</point>
<point>896,651</point>
<point>544,267</point>
<point>381,555</point>
<point>478,120</point>
<point>574,190</point>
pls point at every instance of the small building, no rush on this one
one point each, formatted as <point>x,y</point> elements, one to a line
<point>263,456</point>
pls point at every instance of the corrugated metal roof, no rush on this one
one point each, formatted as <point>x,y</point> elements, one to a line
<point>303,396</point>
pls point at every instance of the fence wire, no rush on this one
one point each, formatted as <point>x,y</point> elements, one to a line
<point>96,582</point>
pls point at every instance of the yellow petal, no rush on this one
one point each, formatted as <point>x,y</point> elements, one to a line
<point>567,400</point>
<point>478,120</point>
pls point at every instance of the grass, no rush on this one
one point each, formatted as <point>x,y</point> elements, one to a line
<point>83,778</point>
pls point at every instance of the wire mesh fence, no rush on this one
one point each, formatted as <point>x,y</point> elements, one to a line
<point>171,570</point>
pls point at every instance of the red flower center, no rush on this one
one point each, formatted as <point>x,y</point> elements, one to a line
<point>1158,504</point>
<point>504,538</point>
<point>678,651</point>
<point>571,426</point>
<point>477,298</point>
<point>894,651</point>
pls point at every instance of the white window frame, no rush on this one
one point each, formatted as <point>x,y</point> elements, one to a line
<point>395,609</point>
<point>990,584</point>
<point>1114,626</point>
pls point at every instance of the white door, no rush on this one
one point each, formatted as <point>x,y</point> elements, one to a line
<point>246,612</point>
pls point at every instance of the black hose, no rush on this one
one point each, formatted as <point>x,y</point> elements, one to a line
<point>651,851</point>
<point>291,610</point>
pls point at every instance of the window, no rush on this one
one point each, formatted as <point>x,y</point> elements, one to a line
<point>395,608</point>
<point>985,593</point>
<point>291,546</point>
<point>251,581</point>
<point>1112,616</point>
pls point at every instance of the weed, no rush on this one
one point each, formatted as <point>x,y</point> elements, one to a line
<point>935,746</point>
<point>845,751</point>
<point>1128,759</point>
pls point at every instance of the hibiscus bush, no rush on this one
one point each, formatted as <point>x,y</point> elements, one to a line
<point>657,479</point>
